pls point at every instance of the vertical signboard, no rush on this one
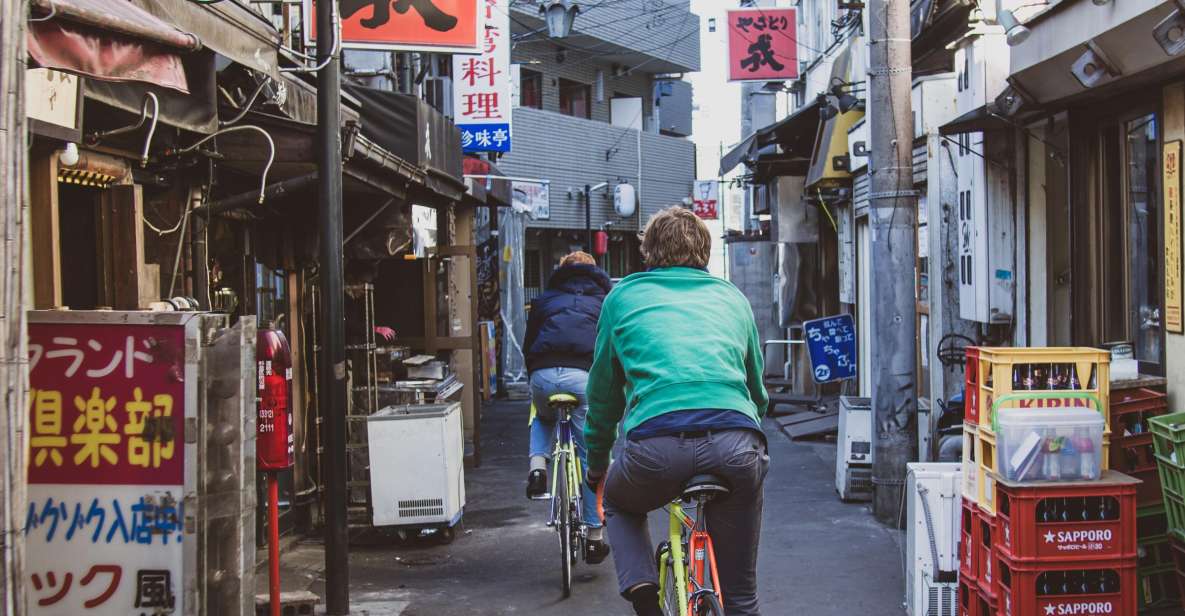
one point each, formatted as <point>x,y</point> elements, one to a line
<point>108,468</point>
<point>534,198</point>
<point>831,344</point>
<point>1172,237</point>
<point>762,44</point>
<point>706,199</point>
<point>445,26</point>
<point>482,85</point>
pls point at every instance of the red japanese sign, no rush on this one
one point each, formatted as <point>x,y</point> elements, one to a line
<point>107,404</point>
<point>414,25</point>
<point>762,44</point>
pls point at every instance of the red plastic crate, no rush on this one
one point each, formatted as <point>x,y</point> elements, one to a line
<point>1138,400</point>
<point>1020,587</point>
<point>986,605</point>
<point>1178,547</point>
<point>1075,532</point>
<point>968,541</point>
<point>971,388</point>
<point>969,599</point>
<point>983,553</point>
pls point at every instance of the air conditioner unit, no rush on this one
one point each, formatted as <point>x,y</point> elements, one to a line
<point>438,92</point>
<point>854,449</point>
<point>416,465</point>
<point>933,503</point>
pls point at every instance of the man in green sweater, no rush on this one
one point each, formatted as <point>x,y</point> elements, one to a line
<point>678,364</point>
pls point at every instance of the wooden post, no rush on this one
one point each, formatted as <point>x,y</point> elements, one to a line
<point>124,207</point>
<point>46,230</point>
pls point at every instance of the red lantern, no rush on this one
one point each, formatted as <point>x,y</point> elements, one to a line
<point>600,243</point>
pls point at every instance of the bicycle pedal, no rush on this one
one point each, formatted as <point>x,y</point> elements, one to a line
<point>544,496</point>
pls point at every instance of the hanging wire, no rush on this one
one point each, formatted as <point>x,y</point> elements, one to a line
<point>53,10</point>
<point>251,101</point>
<point>826,210</point>
<point>337,44</point>
<point>270,157</point>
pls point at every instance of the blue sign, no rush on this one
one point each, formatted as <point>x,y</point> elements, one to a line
<point>831,342</point>
<point>485,137</point>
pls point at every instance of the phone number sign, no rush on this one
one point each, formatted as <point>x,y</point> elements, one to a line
<point>831,344</point>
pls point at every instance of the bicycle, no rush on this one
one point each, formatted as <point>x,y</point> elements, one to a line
<point>688,583</point>
<point>566,496</point>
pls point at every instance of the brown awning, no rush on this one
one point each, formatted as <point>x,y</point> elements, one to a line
<point>109,40</point>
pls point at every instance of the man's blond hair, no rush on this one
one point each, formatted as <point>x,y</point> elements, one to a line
<point>578,258</point>
<point>675,237</point>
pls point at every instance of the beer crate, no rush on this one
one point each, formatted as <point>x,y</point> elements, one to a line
<point>985,604</point>
<point>1079,521</point>
<point>969,468</point>
<point>1079,369</point>
<point>971,388</point>
<point>983,556</point>
<point>1066,587</point>
<point>1168,435</point>
<point>968,541</point>
<point>1177,544</point>
<point>1158,588</point>
<point>1132,451</point>
<point>968,598</point>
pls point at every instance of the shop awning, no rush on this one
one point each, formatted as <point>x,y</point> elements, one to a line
<point>794,136</point>
<point>977,120</point>
<point>832,142</point>
<point>234,30</point>
<point>109,40</point>
<point>485,179</point>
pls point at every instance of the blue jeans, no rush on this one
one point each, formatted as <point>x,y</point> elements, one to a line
<point>546,382</point>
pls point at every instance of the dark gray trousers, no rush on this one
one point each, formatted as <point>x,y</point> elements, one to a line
<point>651,472</point>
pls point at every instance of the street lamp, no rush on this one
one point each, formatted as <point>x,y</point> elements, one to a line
<point>1015,32</point>
<point>559,15</point>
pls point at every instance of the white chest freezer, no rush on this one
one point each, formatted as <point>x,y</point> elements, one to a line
<point>417,475</point>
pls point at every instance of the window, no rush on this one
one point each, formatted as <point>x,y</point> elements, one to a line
<point>575,99</point>
<point>530,92</point>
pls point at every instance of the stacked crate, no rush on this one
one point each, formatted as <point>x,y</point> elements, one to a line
<point>1168,439</point>
<point>1031,547</point>
<point>1133,453</point>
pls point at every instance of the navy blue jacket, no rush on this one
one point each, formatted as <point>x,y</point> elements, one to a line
<point>562,326</point>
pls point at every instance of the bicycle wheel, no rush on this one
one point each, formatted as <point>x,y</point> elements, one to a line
<point>564,526</point>
<point>707,604</point>
<point>669,600</point>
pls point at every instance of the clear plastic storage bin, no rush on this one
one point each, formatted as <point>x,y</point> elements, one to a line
<point>1050,444</point>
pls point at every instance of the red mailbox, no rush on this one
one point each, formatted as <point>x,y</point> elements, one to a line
<point>274,444</point>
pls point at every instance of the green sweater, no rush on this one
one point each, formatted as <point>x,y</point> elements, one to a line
<point>671,339</point>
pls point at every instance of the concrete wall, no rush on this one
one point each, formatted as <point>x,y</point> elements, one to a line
<point>542,59</point>
<point>572,152</point>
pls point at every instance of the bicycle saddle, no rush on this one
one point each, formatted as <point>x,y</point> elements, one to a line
<point>562,399</point>
<point>706,486</point>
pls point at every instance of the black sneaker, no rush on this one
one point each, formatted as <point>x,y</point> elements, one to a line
<point>597,551</point>
<point>645,600</point>
<point>536,484</point>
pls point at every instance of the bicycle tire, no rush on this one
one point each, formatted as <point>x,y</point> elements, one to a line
<point>564,527</point>
<point>707,604</point>
<point>668,602</point>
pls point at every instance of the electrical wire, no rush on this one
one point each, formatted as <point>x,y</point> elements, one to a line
<point>336,20</point>
<point>53,10</point>
<point>251,101</point>
<point>827,211</point>
<point>270,158</point>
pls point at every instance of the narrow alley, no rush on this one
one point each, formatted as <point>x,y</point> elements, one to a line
<point>815,550</point>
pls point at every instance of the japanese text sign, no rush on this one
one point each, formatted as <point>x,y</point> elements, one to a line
<point>831,344</point>
<point>707,195</point>
<point>1172,237</point>
<point>482,85</point>
<point>406,25</point>
<point>104,525</point>
<point>762,44</point>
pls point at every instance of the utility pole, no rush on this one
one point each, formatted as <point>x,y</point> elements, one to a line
<point>331,395</point>
<point>588,242</point>
<point>892,209</point>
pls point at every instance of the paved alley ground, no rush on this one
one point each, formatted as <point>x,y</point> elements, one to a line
<point>818,556</point>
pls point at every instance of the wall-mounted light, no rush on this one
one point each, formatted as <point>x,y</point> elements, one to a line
<point>1170,32</point>
<point>1015,31</point>
<point>559,15</point>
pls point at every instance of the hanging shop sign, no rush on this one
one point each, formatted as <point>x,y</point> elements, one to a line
<point>482,85</point>
<point>704,201</point>
<point>108,465</point>
<point>51,101</point>
<point>534,198</point>
<point>444,26</point>
<point>762,44</point>
<point>1172,237</point>
<point>831,344</point>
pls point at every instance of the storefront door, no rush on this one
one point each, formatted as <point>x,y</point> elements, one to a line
<point>1142,211</point>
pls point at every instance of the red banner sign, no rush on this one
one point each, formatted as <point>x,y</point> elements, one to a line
<point>412,25</point>
<point>762,44</point>
<point>107,404</point>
